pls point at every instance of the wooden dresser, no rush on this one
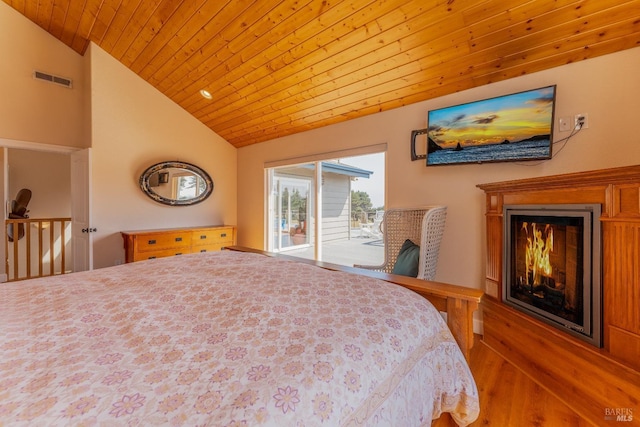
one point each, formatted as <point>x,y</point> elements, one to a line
<point>148,244</point>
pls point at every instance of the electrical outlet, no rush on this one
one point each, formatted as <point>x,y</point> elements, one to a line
<point>564,124</point>
<point>581,118</point>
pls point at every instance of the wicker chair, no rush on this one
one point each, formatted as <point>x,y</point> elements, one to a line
<point>423,226</point>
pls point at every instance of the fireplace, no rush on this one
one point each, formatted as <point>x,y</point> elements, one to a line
<point>552,266</point>
<point>587,378</point>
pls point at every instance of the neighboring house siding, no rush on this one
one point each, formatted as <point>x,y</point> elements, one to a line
<point>335,209</point>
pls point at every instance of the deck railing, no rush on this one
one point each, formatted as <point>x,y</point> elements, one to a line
<point>37,247</point>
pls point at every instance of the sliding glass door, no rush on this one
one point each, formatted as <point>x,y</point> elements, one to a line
<point>325,210</point>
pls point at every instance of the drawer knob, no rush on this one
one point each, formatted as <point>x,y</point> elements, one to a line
<point>203,250</point>
<point>179,253</point>
<point>178,239</point>
<point>152,257</point>
<point>204,236</point>
<point>223,235</point>
<point>152,241</point>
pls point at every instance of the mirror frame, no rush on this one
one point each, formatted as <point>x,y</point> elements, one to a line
<point>146,188</point>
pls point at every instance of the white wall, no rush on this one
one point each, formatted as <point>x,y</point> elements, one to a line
<point>47,175</point>
<point>606,88</point>
<point>133,126</point>
<point>33,110</point>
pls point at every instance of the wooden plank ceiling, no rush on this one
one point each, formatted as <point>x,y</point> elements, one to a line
<point>276,68</point>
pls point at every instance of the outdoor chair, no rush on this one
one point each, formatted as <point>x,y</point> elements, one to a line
<point>423,227</point>
<point>372,229</point>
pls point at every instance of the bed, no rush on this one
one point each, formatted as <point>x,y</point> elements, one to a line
<point>226,339</point>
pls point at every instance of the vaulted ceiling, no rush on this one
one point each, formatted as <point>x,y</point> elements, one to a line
<point>275,68</point>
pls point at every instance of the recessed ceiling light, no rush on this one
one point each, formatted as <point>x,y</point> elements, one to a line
<point>205,94</point>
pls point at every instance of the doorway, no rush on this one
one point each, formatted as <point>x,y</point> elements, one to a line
<point>46,170</point>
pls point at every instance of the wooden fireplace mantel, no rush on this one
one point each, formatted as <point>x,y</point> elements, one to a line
<point>590,380</point>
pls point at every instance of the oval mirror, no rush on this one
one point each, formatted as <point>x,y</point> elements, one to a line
<point>176,183</point>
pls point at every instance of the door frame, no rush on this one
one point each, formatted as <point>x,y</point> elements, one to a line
<point>81,225</point>
<point>7,144</point>
<point>276,209</point>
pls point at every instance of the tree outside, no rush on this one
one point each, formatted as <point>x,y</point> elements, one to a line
<point>360,205</point>
<point>298,205</point>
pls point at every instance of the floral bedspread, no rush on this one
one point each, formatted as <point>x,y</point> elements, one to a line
<point>225,339</point>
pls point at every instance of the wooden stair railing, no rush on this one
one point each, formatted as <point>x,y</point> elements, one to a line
<point>42,249</point>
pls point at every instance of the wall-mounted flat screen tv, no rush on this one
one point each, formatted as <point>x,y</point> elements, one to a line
<point>513,127</point>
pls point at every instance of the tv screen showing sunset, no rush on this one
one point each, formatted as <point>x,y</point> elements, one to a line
<point>507,128</point>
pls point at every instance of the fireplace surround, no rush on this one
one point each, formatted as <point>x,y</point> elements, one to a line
<point>552,266</point>
<point>589,379</point>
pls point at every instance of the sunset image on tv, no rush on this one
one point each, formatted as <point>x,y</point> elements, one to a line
<point>513,127</point>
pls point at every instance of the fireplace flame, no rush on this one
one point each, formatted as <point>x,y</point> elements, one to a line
<point>539,248</point>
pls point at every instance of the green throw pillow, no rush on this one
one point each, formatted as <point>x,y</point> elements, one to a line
<point>408,258</point>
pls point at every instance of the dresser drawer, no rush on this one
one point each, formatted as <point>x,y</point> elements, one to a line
<point>158,241</point>
<point>212,237</point>
<point>141,256</point>
<point>212,247</point>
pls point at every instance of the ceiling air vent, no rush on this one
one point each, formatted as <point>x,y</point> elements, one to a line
<point>62,81</point>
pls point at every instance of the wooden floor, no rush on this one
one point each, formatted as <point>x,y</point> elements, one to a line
<point>510,398</point>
